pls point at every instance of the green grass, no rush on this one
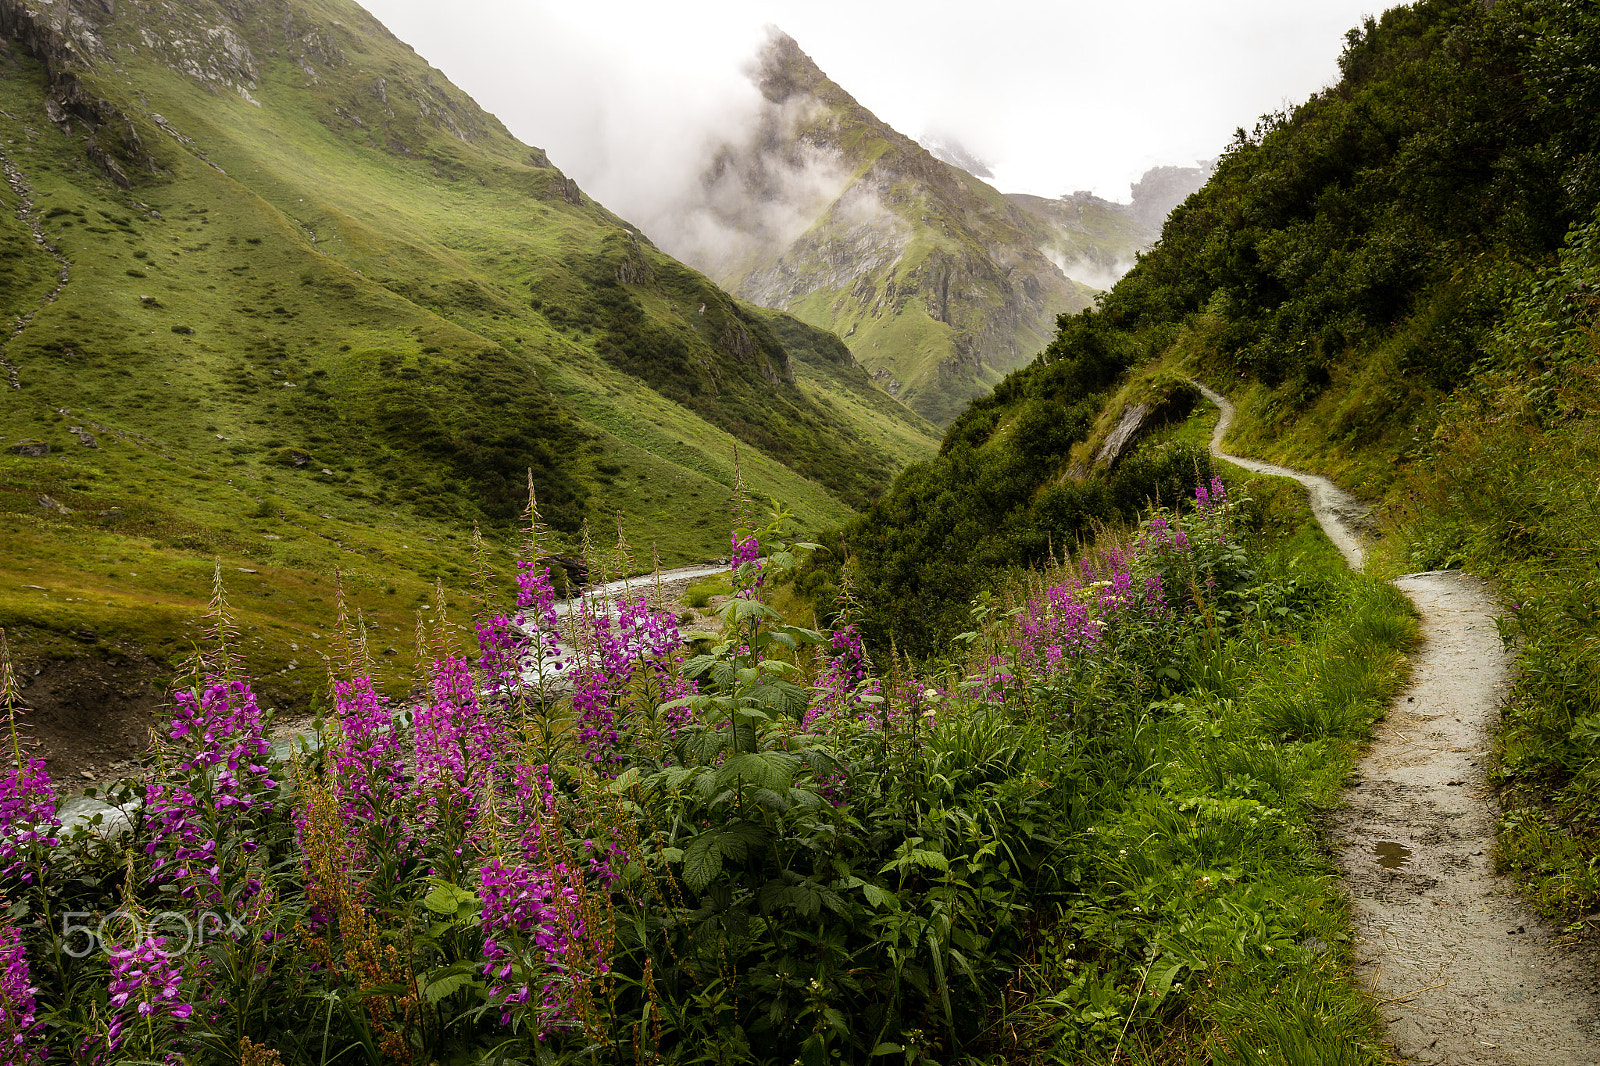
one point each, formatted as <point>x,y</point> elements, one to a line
<point>699,593</point>
<point>1210,854</point>
<point>424,320</point>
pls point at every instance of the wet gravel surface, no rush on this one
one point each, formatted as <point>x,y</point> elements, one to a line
<point>1461,968</point>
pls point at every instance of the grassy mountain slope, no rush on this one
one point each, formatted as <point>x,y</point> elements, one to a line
<point>323,311</point>
<point>1091,240</point>
<point>1396,282</point>
<point>931,276</point>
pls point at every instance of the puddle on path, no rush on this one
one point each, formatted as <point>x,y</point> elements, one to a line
<point>1391,854</point>
<point>1455,990</point>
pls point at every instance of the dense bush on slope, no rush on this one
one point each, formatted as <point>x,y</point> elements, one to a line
<point>1508,487</point>
<point>1448,145</point>
<point>998,495</point>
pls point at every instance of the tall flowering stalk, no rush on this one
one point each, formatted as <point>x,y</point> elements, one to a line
<point>500,644</point>
<point>536,616</point>
<point>626,671</point>
<point>345,938</point>
<point>532,924</point>
<point>845,685</point>
<point>600,685</point>
<point>212,788</point>
<point>546,920</point>
<point>1210,497</point>
<point>28,820</point>
<point>21,1028</point>
<point>539,626</point>
<point>147,996</point>
<point>370,775</point>
<point>456,743</point>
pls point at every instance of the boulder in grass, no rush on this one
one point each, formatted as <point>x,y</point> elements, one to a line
<point>30,449</point>
<point>575,572</point>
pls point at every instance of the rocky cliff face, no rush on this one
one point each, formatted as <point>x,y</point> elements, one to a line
<point>934,280</point>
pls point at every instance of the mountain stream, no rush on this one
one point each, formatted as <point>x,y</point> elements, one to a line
<point>1461,968</point>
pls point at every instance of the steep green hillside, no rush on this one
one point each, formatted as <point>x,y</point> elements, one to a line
<point>322,311</point>
<point>934,280</point>
<point>1375,277</point>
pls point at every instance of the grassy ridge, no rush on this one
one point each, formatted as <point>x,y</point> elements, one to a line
<point>341,320</point>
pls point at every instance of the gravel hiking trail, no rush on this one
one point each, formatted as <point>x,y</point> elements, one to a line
<point>1461,968</point>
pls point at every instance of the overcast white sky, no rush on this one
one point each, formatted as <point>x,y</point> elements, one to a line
<point>1059,96</point>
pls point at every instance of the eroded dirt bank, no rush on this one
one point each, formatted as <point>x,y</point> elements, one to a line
<point>1461,968</point>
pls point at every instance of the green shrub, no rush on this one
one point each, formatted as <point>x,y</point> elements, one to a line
<point>699,593</point>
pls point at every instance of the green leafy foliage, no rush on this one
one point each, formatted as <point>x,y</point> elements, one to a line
<point>999,495</point>
<point>1505,486</point>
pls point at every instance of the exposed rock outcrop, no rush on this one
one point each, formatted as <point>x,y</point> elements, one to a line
<point>65,36</point>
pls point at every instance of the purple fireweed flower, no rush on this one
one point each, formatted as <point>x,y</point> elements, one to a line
<point>536,606</point>
<point>145,988</point>
<point>1209,498</point>
<point>630,659</point>
<point>212,782</point>
<point>1118,593</point>
<point>21,1030</point>
<point>600,685</point>
<point>456,741</point>
<point>1159,538</point>
<point>1051,632</point>
<point>744,551</point>
<point>845,682</point>
<point>501,649</point>
<point>28,821</point>
<point>534,933</point>
<point>1155,597</point>
<point>370,779</point>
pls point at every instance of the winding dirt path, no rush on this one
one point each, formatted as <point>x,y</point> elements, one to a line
<point>1461,968</point>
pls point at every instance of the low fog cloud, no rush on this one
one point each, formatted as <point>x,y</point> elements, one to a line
<point>630,97</point>
<point>1095,273</point>
<point>755,191</point>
